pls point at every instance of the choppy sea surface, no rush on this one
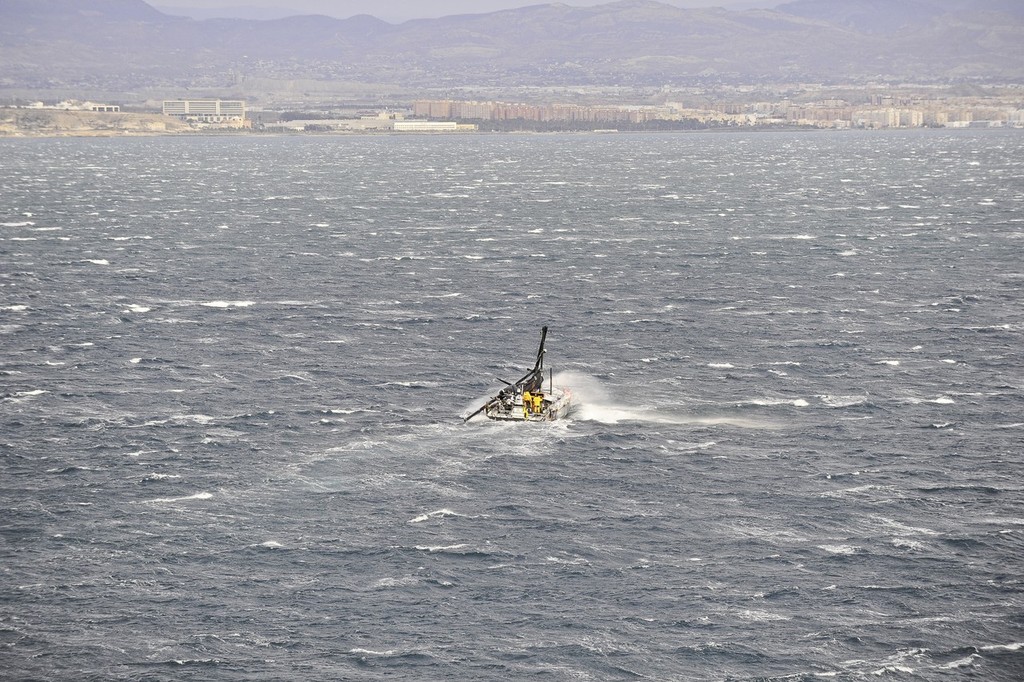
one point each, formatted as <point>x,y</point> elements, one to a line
<point>233,371</point>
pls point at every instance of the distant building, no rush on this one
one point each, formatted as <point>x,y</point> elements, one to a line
<point>432,108</point>
<point>911,118</point>
<point>78,105</point>
<point>230,111</point>
<point>426,126</point>
<point>886,117</point>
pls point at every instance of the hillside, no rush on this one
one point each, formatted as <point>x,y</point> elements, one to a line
<point>125,45</point>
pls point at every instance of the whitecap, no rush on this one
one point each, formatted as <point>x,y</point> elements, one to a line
<point>961,662</point>
<point>893,363</point>
<point>16,308</point>
<point>855,490</point>
<point>159,477</point>
<point>892,669</point>
<point>181,418</point>
<point>1016,646</point>
<point>721,365</point>
<point>22,396</point>
<point>438,513</point>
<point>197,496</point>
<point>228,304</point>
<point>388,583</point>
<point>842,400</point>
<point>98,261</point>
<point>772,402</point>
<point>761,616</point>
<point>136,308</point>
<point>440,548</point>
<point>370,652</point>
<point>941,400</point>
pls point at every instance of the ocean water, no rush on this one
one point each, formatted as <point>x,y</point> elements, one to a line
<point>234,372</point>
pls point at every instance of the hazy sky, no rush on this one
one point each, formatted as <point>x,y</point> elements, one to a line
<point>391,10</point>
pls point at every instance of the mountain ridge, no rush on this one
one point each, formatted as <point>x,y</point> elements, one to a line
<point>628,42</point>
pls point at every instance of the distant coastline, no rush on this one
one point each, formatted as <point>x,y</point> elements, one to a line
<point>16,122</point>
<point>26,123</point>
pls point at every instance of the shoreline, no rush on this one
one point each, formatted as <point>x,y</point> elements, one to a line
<point>18,123</point>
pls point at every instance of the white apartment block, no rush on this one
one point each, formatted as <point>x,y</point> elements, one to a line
<point>206,110</point>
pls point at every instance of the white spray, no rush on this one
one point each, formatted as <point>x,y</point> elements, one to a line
<point>592,401</point>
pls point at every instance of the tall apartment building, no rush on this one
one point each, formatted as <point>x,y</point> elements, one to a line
<point>206,110</point>
<point>433,108</point>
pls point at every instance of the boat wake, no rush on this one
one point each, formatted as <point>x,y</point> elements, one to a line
<point>592,401</point>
